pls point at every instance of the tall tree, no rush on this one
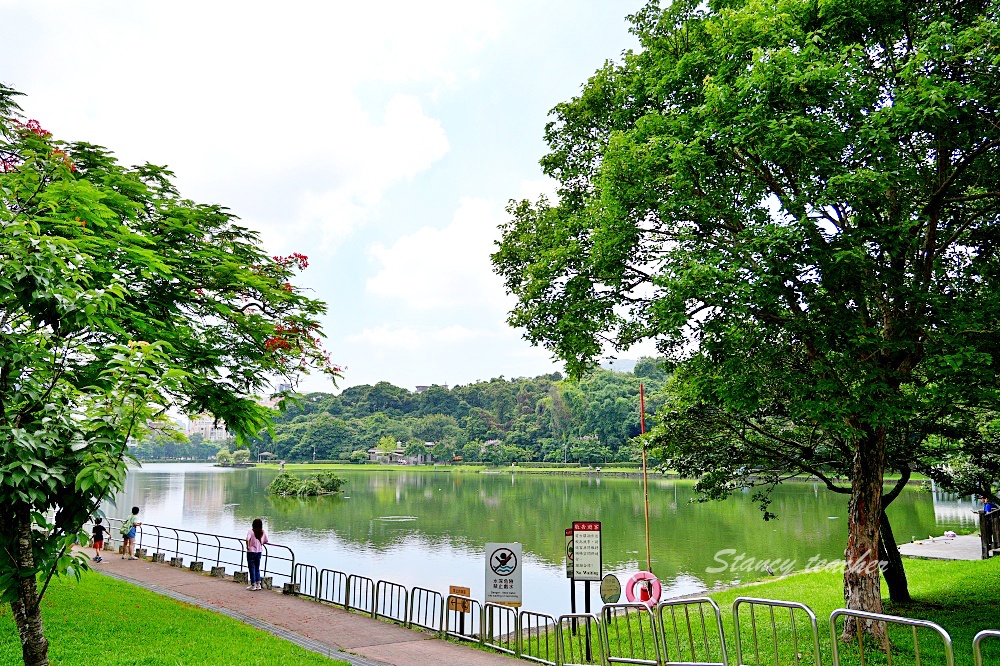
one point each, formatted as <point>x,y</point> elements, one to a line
<point>118,298</point>
<point>796,199</point>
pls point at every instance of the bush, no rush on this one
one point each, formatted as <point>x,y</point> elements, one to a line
<point>329,482</point>
<point>224,457</point>
<point>241,455</point>
<point>359,457</point>
<point>324,483</point>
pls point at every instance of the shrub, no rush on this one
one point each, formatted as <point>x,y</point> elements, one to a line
<point>324,483</point>
<point>224,457</point>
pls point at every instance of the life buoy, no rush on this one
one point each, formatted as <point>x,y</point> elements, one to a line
<point>649,589</point>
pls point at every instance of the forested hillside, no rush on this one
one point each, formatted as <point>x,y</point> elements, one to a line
<point>546,418</point>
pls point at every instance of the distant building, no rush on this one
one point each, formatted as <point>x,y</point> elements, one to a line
<point>421,389</point>
<point>206,426</point>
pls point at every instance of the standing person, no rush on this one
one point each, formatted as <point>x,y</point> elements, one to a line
<point>256,538</point>
<point>98,539</point>
<point>128,535</point>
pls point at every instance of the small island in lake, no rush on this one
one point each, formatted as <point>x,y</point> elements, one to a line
<point>324,483</point>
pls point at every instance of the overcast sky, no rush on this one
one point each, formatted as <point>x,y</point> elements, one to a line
<point>381,139</point>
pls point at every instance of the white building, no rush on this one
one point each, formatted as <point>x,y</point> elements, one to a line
<point>206,426</point>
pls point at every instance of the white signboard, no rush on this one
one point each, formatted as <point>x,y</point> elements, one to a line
<point>587,550</point>
<point>503,573</point>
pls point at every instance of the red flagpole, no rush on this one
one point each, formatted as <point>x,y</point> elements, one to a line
<point>645,484</point>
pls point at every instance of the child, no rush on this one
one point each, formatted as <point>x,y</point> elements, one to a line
<point>98,539</point>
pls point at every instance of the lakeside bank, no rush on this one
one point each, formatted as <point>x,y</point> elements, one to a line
<point>959,596</point>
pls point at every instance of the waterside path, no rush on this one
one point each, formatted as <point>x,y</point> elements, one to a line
<point>328,630</point>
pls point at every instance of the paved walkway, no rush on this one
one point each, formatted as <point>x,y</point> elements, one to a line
<point>322,628</point>
<point>964,547</point>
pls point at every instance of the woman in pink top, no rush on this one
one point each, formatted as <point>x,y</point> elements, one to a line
<point>256,538</point>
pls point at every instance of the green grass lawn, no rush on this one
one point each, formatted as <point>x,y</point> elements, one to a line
<point>105,621</point>
<point>961,597</point>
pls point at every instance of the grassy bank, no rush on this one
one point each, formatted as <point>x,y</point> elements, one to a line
<point>105,621</point>
<point>959,596</point>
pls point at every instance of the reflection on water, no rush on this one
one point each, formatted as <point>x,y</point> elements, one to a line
<point>430,528</point>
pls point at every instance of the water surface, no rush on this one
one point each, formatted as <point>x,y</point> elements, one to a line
<point>430,528</point>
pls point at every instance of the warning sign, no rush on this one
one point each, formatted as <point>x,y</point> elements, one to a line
<point>503,573</point>
<point>587,550</point>
<point>459,605</point>
<point>569,553</point>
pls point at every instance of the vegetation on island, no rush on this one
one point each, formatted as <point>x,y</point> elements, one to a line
<point>120,299</point>
<point>323,483</point>
<point>797,202</point>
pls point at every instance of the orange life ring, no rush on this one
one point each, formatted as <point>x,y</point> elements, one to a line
<point>649,591</point>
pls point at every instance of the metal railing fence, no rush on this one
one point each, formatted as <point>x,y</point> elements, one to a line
<point>500,628</point>
<point>696,639</point>
<point>537,639</point>
<point>392,602</point>
<point>889,646</point>
<point>277,561</point>
<point>360,594</point>
<point>977,653</point>
<point>332,587</point>
<point>789,632</point>
<point>426,609</point>
<point>629,634</point>
<point>676,632</point>
<point>578,636</point>
<point>455,625</point>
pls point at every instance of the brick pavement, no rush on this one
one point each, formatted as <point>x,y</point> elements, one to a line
<point>319,627</point>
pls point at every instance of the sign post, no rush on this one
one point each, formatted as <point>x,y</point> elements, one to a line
<point>503,574</point>
<point>587,550</point>
<point>569,574</point>
<point>587,561</point>
<point>461,606</point>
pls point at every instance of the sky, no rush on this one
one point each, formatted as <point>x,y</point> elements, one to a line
<point>383,140</point>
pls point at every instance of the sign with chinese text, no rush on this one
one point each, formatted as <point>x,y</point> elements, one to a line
<point>459,605</point>
<point>587,550</point>
<point>503,573</point>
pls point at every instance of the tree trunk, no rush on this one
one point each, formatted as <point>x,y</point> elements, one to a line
<point>861,572</point>
<point>26,608</point>
<point>893,572</point>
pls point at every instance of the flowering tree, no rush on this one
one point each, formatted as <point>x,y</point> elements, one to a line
<point>118,299</point>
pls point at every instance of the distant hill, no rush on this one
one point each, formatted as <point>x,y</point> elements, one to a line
<point>619,364</point>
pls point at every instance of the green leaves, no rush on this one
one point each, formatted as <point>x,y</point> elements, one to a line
<point>797,203</point>
<point>120,299</point>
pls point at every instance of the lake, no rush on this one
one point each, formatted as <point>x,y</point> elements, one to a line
<point>430,528</point>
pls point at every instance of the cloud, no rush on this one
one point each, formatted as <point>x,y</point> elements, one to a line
<point>444,268</point>
<point>370,159</point>
<point>243,99</point>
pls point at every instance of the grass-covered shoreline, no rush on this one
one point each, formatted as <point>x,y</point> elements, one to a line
<point>959,596</point>
<point>102,620</point>
<point>631,472</point>
<point>128,624</point>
